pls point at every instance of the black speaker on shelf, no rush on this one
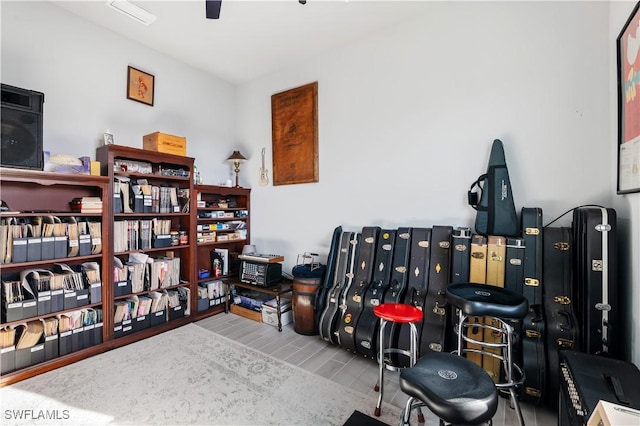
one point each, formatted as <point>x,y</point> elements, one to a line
<point>21,128</point>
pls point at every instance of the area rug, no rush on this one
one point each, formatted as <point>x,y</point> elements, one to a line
<point>188,375</point>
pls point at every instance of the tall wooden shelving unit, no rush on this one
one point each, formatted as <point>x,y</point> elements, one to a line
<point>36,193</point>
<point>164,168</point>
<point>225,212</point>
<point>43,193</point>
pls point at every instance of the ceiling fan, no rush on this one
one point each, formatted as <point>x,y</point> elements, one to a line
<point>213,8</point>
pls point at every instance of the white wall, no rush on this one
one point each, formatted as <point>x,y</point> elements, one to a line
<point>82,70</point>
<point>407,117</point>
<point>628,205</point>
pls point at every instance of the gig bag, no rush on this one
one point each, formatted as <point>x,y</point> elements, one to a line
<point>496,212</point>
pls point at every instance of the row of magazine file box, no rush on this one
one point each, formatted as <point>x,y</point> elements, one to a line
<point>33,342</point>
<point>40,292</point>
<point>210,294</point>
<point>38,240</point>
<point>132,314</point>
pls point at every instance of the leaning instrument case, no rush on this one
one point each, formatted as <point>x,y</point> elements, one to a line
<point>595,266</point>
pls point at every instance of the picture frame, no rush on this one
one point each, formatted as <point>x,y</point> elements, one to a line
<point>628,59</point>
<point>294,126</point>
<point>107,138</point>
<point>140,86</point>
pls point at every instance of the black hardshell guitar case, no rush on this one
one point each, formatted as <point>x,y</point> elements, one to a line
<point>460,254</point>
<point>328,319</point>
<point>562,332</point>
<point>533,325</point>
<point>397,286</point>
<point>434,329</point>
<point>354,248</point>
<point>354,299</point>
<point>596,287</point>
<point>367,327</point>
<point>417,285</point>
<point>321,297</point>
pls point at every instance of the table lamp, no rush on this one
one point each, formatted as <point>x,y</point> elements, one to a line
<point>236,158</point>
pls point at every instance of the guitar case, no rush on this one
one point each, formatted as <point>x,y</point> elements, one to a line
<point>514,266</point>
<point>562,333</point>
<point>367,327</point>
<point>332,257</point>
<point>496,213</point>
<point>397,287</point>
<point>354,247</point>
<point>461,237</point>
<point>496,256</point>
<point>477,275</point>
<point>417,285</point>
<point>596,294</point>
<point>533,325</point>
<point>514,281</point>
<point>328,320</point>
<point>434,328</point>
<point>354,299</point>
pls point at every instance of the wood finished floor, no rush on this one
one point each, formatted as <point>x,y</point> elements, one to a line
<point>337,364</point>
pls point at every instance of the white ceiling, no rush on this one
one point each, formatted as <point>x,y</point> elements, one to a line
<point>251,38</point>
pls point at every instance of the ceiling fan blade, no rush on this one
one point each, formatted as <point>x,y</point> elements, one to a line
<point>213,8</point>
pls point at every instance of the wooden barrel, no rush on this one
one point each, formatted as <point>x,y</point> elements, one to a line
<point>303,301</point>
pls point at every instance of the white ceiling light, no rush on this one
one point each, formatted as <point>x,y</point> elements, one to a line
<point>132,11</point>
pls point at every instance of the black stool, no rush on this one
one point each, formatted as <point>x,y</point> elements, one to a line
<point>452,387</point>
<point>479,300</point>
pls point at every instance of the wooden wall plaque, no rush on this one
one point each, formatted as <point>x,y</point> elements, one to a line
<point>294,127</point>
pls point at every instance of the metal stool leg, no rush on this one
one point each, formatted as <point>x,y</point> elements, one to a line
<point>505,356</point>
<point>509,373</point>
<point>413,357</point>
<point>380,386</point>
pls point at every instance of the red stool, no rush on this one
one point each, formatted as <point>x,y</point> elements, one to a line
<point>397,313</point>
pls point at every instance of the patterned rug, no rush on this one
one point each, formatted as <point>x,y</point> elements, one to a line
<point>184,376</point>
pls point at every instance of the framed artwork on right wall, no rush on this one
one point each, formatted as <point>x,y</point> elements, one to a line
<point>628,50</point>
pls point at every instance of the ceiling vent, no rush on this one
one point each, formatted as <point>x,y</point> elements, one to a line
<point>132,11</point>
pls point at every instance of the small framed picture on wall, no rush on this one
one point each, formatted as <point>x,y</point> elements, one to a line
<point>140,86</point>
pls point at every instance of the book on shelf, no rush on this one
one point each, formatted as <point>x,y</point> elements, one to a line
<point>224,254</point>
<point>86,205</point>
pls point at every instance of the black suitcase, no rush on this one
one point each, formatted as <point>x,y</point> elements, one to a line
<point>533,325</point>
<point>363,270</point>
<point>595,266</point>
<point>562,333</point>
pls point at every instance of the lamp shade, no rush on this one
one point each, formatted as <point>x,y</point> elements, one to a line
<point>236,156</point>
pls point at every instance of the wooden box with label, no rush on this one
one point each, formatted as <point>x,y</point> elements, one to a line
<point>165,143</point>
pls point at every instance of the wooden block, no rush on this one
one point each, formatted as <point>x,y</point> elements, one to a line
<point>165,143</point>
